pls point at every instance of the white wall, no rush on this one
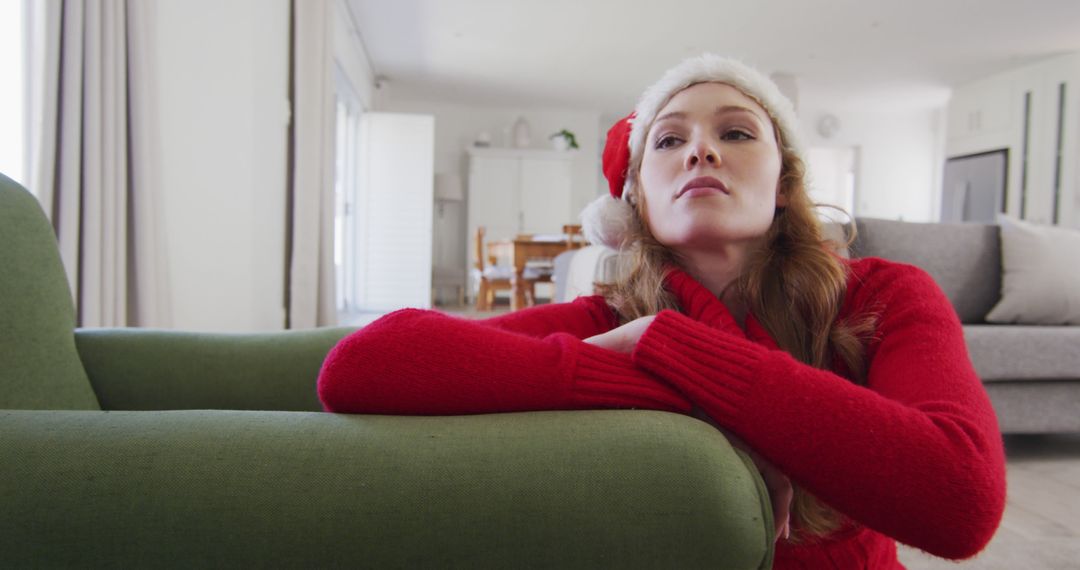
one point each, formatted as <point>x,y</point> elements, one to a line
<point>900,157</point>
<point>352,59</point>
<point>222,100</point>
<point>457,126</point>
<point>901,153</point>
<point>12,111</point>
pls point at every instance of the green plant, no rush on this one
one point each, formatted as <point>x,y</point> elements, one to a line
<point>569,136</point>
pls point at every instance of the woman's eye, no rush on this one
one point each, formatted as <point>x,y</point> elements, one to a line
<point>737,135</point>
<point>666,141</point>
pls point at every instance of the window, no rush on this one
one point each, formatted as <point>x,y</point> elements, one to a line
<point>346,161</point>
<point>13,94</point>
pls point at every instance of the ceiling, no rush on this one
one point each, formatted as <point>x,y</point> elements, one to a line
<point>598,55</point>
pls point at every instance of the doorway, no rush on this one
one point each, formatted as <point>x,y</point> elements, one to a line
<point>833,176</point>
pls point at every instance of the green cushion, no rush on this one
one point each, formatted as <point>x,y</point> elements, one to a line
<point>142,369</point>
<point>40,367</point>
<point>220,489</point>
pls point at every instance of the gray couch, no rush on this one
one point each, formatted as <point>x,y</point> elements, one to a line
<point>1032,373</point>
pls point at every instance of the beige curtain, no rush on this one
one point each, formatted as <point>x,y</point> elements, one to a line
<point>93,156</point>
<point>310,205</point>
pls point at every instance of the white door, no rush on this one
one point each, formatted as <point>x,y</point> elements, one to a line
<point>833,176</point>
<point>395,211</point>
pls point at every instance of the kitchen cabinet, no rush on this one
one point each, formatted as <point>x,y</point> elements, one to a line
<point>1032,113</point>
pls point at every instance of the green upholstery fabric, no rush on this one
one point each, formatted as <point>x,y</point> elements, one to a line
<point>140,369</point>
<point>595,489</point>
<point>39,366</point>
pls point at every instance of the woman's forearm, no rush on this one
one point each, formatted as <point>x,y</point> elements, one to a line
<point>427,363</point>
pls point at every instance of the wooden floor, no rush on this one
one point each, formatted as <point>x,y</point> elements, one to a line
<point>1041,528</point>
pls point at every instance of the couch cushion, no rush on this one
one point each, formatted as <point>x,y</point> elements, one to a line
<point>964,259</point>
<point>39,366</point>
<point>1040,281</point>
<point>1018,352</point>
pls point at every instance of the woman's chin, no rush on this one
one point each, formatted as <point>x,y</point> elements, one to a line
<point>711,234</point>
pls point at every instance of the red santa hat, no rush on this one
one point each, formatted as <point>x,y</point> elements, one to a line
<point>608,219</point>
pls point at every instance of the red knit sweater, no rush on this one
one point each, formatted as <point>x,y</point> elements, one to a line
<point>914,455</point>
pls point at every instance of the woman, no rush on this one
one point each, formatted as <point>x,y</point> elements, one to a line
<point>848,381</point>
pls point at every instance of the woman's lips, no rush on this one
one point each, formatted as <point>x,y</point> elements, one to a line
<point>702,186</point>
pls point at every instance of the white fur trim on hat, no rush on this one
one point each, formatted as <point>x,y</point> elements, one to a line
<point>607,221</point>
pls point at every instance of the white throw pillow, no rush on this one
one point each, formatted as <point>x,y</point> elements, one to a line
<point>1040,279</point>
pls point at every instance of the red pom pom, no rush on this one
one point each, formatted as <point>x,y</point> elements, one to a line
<point>617,155</point>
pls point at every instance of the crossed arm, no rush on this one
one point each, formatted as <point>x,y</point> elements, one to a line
<point>914,454</point>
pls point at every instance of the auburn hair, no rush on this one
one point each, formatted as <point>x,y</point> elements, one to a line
<point>793,283</point>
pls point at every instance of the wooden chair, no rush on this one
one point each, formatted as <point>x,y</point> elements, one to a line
<point>574,237</point>
<point>489,275</point>
<point>534,273</point>
<point>545,272</point>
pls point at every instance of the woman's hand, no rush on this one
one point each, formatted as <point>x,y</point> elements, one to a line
<point>624,338</point>
<point>780,491</point>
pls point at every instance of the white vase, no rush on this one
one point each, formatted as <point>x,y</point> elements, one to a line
<point>560,143</point>
<point>522,133</point>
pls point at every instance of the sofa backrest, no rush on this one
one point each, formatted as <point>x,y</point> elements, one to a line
<point>964,258</point>
<point>39,365</point>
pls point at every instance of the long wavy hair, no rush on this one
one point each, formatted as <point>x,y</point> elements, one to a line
<point>793,283</point>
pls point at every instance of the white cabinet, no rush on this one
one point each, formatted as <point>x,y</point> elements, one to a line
<point>514,191</point>
<point>544,194</point>
<point>1047,175</point>
<point>1031,112</point>
<point>981,108</point>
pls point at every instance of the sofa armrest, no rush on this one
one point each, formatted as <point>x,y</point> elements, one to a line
<point>586,489</point>
<point>142,369</point>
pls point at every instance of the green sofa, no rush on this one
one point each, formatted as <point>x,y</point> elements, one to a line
<point>149,448</point>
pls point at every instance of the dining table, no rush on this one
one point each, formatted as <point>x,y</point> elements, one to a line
<point>523,248</point>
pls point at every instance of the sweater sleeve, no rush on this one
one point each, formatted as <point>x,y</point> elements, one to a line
<point>915,454</point>
<point>583,317</point>
<point>429,363</point>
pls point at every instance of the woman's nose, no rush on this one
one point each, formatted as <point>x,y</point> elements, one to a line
<point>702,152</point>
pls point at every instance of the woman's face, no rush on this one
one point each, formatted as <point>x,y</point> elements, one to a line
<point>710,169</point>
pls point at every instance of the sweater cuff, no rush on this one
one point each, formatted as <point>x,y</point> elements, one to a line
<point>715,369</point>
<point>605,378</point>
